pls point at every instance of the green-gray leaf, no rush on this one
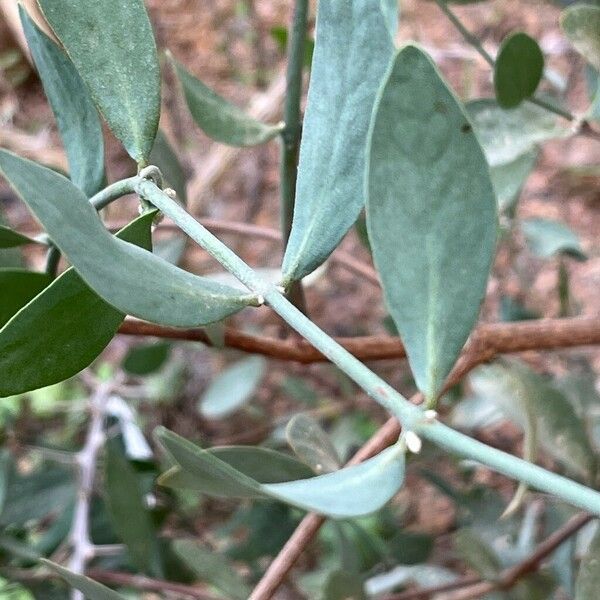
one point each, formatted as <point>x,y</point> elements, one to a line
<point>547,238</point>
<point>128,511</point>
<point>509,178</point>
<point>112,47</point>
<point>17,288</point>
<point>353,48</point>
<point>12,239</point>
<point>349,492</point>
<point>63,329</point>
<point>92,589</point>
<point>75,113</point>
<point>431,213</point>
<point>311,444</point>
<point>127,277</point>
<point>581,25</point>
<point>165,158</point>
<point>218,118</point>
<point>147,358</point>
<point>588,578</point>
<point>212,568</point>
<point>232,388</point>
<point>518,70</point>
<point>507,134</point>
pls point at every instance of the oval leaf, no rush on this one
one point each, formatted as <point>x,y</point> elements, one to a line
<point>547,238</point>
<point>518,70</point>
<point>581,25</point>
<point>62,330</point>
<point>353,49</point>
<point>232,388</point>
<point>218,118</point>
<point>147,358</point>
<point>92,589</point>
<point>127,277</point>
<point>431,215</point>
<point>17,288</point>
<point>311,444</point>
<point>350,492</point>
<point>112,47</point>
<point>75,113</point>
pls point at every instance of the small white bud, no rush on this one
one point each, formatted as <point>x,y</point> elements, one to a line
<point>413,442</point>
<point>430,416</point>
<point>171,193</point>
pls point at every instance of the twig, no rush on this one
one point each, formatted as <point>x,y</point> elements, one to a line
<point>487,341</point>
<point>148,584</point>
<point>474,587</point>
<point>81,544</point>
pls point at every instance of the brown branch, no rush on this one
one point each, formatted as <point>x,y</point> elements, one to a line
<point>487,341</point>
<point>148,584</point>
<point>474,587</point>
<point>484,345</point>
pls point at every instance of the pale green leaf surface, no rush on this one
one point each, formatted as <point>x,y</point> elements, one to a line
<point>212,568</point>
<point>12,239</point>
<point>62,330</point>
<point>218,118</point>
<point>17,288</point>
<point>431,214</point>
<point>352,52</point>
<point>547,238</point>
<point>508,179</point>
<point>232,388</point>
<point>128,512</point>
<point>352,491</point>
<point>129,278</point>
<point>508,134</point>
<point>76,115</point>
<point>112,47</point>
<point>311,444</point>
<point>518,69</point>
<point>164,157</point>
<point>92,589</point>
<point>581,25</point>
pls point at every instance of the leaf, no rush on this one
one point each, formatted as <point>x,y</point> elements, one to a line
<point>147,358</point>
<point>581,25</point>
<point>12,239</point>
<point>17,288</point>
<point>520,392</point>
<point>261,464</point>
<point>75,113</point>
<point>352,52</point>
<point>165,158</point>
<point>431,214</point>
<point>508,179</point>
<point>112,47</point>
<point>588,578</point>
<point>218,118</point>
<point>508,134</point>
<point>477,554</point>
<point>127,277</point>
<point>128,510</point>
<point>547,238</point>
<point>92,589</point>
<point>343,585</point>
<point>212,568</point>
<point>62,330</point>
<point>352,491</point>
<point>232,388</point>
<point>518,69</point>
<point>311,444</point>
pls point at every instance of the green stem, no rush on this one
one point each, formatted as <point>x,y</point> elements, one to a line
<point>472,39</point>
<point>411,417</point>
<point>113,192</point>
<point>292,132</point>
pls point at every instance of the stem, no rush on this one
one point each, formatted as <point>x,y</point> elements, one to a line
<point>474,41</point>
<point>292,132</point>
<point>411,417</point>
<point>113,192</point>
<point>52,261</point>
